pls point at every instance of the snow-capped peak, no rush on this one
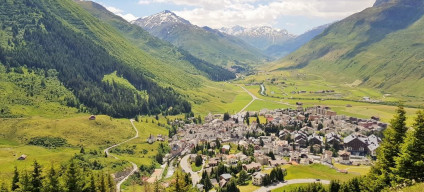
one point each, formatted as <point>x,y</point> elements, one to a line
<point>164,17</point>
<point>255,31</point>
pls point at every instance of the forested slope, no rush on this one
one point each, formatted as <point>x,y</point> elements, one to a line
<point>59,35</point>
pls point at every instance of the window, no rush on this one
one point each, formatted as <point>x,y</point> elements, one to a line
<point>361,149</point>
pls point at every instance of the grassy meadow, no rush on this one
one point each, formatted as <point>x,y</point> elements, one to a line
<point>291,187</point>
<point>314,171</point>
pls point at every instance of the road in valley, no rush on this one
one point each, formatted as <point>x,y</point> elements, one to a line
<point>289,182</point>
<point>134,166</point>
<point>254,98</point>
<point>195,178</point>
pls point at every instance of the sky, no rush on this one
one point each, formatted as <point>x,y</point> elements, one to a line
<point>296,16</point>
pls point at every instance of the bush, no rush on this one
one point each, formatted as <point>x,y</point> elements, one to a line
<point>49,142</point>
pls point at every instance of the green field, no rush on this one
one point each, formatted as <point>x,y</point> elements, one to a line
<point>314,171</point>
<point>415,188</point>
<point>362,170</point>
<point>280,84</point>
<point>248,188</point>
<point>144,152</point>
<point>290,187</point>
<point>195,168</point>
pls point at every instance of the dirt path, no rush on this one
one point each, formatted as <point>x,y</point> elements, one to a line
<point>134,169</point>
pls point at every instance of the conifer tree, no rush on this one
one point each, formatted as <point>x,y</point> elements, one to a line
<point>157,187</point>
<point>231,186</point>
<point>389,148</point>
<point>4,188</point>
<point>111,183</point>
<point>15,179</point>
<point>242,178</point>
<point>73,179</point>
<point>25,182</point>
<point>92,187</point>
<point>36,180</point>
<point>52,182</point>
<point>102,183</point>
<point>410,163</point>
<point>334,186</point>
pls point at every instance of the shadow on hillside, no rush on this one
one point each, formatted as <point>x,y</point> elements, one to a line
<point>392,19</point>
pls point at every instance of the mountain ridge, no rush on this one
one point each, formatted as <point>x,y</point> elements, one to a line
<point>261,37</point>
<point>209,45</point>
<point>156,47</point>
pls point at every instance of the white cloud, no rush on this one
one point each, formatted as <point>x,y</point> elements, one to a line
<point>119,12</point>
<point>129,17</point>
<point>143,2</point>
<point>113,9</point>
<point>219,13</point>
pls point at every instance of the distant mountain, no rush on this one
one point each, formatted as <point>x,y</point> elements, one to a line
<point>382,47</point>
<point>156,47</point>
<point>205,43</point>
<point>287,47</point>
<point>260,37</point>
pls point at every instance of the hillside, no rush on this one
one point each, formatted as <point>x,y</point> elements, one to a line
<point>159,49</point>
<point>284,48</point>
<point>61,36</point>
<point>204,43</point>
<point>380,47</point>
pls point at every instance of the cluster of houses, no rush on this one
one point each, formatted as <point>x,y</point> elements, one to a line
<point>316,92</point>
<point>324,137</point>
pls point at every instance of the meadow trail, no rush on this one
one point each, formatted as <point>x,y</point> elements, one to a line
<point>134,169</point>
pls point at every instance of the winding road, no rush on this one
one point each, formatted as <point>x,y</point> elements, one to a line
<point>134,169</point>
<point>195,178</point>
<point>254,98</point>
<point>289,182</point>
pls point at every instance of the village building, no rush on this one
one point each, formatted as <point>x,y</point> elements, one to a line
<point>252,166</point>
<point>344,158</point>
<point>257,178</point>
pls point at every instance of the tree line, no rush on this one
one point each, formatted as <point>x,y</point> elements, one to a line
<point>69,178</point>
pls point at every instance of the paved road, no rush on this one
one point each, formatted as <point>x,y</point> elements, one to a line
<point>195,178</point>
<point>253,99</point>
<point>289,182</point>
<point>118,185</point>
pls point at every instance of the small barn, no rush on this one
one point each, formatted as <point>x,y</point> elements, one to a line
<point>22,157</point>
